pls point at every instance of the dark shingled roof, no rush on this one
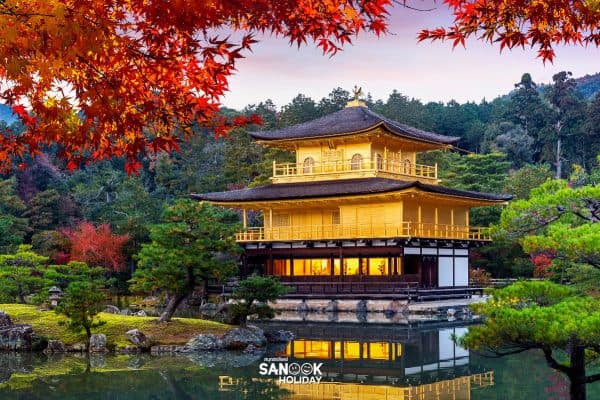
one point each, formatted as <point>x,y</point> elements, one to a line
<point>343,187</point>
<point>350,119</point>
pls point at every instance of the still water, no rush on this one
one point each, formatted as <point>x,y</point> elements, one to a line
<point>350,363</point>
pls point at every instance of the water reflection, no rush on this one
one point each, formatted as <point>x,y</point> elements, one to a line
<point>367,362</point>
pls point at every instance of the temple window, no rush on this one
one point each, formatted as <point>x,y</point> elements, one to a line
<point>335,217</point>
<point>378,266</point>
<point>407,166</point>
<point>308,165</point>
<point>351,266</point>
<point>379,161</point>
<point>356,162</point>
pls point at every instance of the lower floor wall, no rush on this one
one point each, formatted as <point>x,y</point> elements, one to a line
<point>429,267</point>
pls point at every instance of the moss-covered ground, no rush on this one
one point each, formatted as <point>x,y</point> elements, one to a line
<point>47,323</point>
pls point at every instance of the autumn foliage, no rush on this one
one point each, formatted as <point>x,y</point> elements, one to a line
<point>104,78</point>
<point>97,246</point>
<point>510,23</point>
<point>541,264</point>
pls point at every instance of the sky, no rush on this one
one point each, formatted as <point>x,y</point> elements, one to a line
<point>426,71</point>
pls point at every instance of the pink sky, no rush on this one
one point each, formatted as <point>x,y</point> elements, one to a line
<point>426,71</point>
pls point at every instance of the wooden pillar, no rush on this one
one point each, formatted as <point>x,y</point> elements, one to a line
<point>435,222</point>
<point>420,227</point>
<point>244,219</point>
<point>401,233</point>
<point>467,218</point>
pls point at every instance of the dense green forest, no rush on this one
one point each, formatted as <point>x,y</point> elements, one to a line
<point>511,144</point>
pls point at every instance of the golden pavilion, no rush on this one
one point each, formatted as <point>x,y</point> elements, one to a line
<point>355,213</point>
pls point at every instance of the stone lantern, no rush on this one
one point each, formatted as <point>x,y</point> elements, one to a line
<point>55,294</point>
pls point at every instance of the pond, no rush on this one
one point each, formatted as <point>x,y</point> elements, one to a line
<point>326,361</point>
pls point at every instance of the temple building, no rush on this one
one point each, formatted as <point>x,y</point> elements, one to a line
<point>355,212</point>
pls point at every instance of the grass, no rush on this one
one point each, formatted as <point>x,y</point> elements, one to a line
<point>178,331</point>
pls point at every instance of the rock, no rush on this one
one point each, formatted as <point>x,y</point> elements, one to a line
<point>208,310</point>
<point>332,306</point>
<point>203,342</point>
<point>16,338</point>
<point>361,307</point>
<point>98,343</point>
<point>138,338</point>
<point>21,363</point>
<point>227,359</point>
<point>302,307</point>
<point>97,361</point>
<point>76,348</point>
<point>240,338</point>
<point>112,310</point>
<point>279,336</point>
<point>137,362</point>
<point>55,346</point>
<point>252,349</point>
<point>5,320</point>
<point>166,349</point>
<point>128,350</point>
<point>141,313</point>
<point>126,311</point>
<point>451,312</point>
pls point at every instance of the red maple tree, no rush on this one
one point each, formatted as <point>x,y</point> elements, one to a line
<point>104,78</point>
<point>97,246</point>
<point>510,23</point>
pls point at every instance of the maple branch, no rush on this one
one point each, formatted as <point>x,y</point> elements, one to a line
<point>403,4</point>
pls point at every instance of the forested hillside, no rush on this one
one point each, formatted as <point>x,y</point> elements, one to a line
<point>509,144</point>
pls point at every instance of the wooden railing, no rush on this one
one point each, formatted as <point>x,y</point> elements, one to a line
<point>364,165</point>
<point>364,231</point>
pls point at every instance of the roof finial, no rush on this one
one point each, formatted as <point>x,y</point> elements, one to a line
<point>356,101</point>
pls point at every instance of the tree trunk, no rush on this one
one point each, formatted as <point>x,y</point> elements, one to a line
<point>577,372</point>
<point>558,160</point>
<point>88,333</point>
<point>174,302</point>
<point>20,295</point>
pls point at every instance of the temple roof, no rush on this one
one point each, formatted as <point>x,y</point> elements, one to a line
<point>345,187</point>
<point>350,120</point>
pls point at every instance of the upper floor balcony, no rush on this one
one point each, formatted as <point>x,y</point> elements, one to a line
<point>357,167</point>
<point>406,229</point>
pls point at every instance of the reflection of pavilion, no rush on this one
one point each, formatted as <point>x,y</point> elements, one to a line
<point>455,389</point>
<point>381,363</point>
<point>423,356</point>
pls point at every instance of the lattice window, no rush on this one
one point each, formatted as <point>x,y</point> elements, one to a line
<point>281,220</point>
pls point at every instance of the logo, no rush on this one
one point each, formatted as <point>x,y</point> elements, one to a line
<point>291,372</point>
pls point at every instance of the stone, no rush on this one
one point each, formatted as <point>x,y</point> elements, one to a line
<point>16,338</point>
<point>138,338</point>
<point>395,307</point>
<point>208,310</point>
<point>97,361</point>
<point>55,346</point>
<point>141,313</point>
<point>203,342</point>
<point>128,350</point>
<point>5,320</point>
<point>332,306</point>
<point>98,343</point>
<point>361,307</point>
<point>77,348</point>
<point>126,311</point>
<point>279,336</point>
<point>240,338</point>
<point>302,307</point>
<point>110,309</point>
<point>166,349</point>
